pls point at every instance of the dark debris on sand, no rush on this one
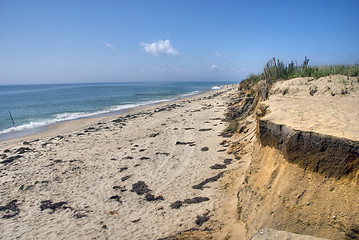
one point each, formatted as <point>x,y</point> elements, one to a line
<point>205,129</point>
<point>140,188</point>
<point>178,204</point>
<point>23,150</point>
<point>136,221</point>
<point>10,210</point>
<point>208,180</point>
<point>150,197</point>
<point>218,166</point>
<point>186,143</point>
<point>121,188</point>
<point>125,178</point>
<point>11,159</point>
<point>204,149</point>
<point>202,219</point>
<point>116,198</point>
<point>53,206</point>
<point>154,135</point>
<point>227,161</point>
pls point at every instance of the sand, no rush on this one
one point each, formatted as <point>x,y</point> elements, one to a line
<point>329,105</point>
<point>120,177</point>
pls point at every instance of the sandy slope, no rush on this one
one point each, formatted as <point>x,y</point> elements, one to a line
<point>289,195</point>
<point>80,184</point>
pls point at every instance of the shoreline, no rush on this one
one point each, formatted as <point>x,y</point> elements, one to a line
<point>59,127</point>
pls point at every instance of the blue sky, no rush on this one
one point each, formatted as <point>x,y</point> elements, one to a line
<point>108,41</point>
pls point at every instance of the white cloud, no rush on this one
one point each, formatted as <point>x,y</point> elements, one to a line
<point>159,47</point>
<point>219,55</point>
<point>216,68</point>
<point>213,67</point>
<point>109,45</point>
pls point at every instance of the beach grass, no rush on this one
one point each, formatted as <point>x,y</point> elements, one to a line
<point>276,70</point>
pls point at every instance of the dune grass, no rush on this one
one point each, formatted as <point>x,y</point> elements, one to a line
<point>276,70</point>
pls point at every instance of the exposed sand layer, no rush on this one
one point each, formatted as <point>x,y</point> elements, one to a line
<point>143,175</point>
<point>303,176</point>
<point>308,104</point>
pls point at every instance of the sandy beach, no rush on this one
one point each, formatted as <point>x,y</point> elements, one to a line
<point>147,174</point>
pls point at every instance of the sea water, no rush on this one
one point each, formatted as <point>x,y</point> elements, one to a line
<point>33,107</point>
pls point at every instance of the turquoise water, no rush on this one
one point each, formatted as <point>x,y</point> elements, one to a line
<point>34,107</point>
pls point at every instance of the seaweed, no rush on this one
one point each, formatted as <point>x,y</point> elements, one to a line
<point>140,188</point>
<point>218,166</point>
<point>227,161</point>
<point>178,204</point>
<point>126,178</point>
<point>185,143</point>
<point>154,135</point>
<point>116,198</point>
<point>53,206</point>
<point>205,129</point>
<point>150,197</point>
<point>202,219</point>
<point>23,150</point>
<point>11,159</point>
<point>11,209</point>
<point>208,180</point>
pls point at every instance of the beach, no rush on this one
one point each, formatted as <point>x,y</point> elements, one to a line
<point>150,173</point>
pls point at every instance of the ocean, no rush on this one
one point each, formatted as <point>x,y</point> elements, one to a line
<point>34,107</point>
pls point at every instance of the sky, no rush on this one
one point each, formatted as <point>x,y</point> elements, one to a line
<point>63,41</point>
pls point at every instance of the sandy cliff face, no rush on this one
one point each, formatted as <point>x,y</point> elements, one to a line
<point>302,178</point>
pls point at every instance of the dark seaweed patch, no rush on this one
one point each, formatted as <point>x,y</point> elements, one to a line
<point>150,197</point>
<point>208,180</point>
<point>126,178</point>
<point>23,150</point>
<point>185,143</point>
<point>140,188</point>
<point>202,219</point>
<point>11,209</point>
<point>116,198</point>
<point>204,149</point>
<point>53,206</point>
<point>218,166</point>
<point>227,161</point>
<point>205,129</point>
<point>154,135</point>
<point>121,188</point>
<point>11,159</point>
<point>178,204</point>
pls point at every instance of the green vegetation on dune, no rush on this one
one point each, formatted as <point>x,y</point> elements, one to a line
<point>276,70</point>
<point>251,91</point>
